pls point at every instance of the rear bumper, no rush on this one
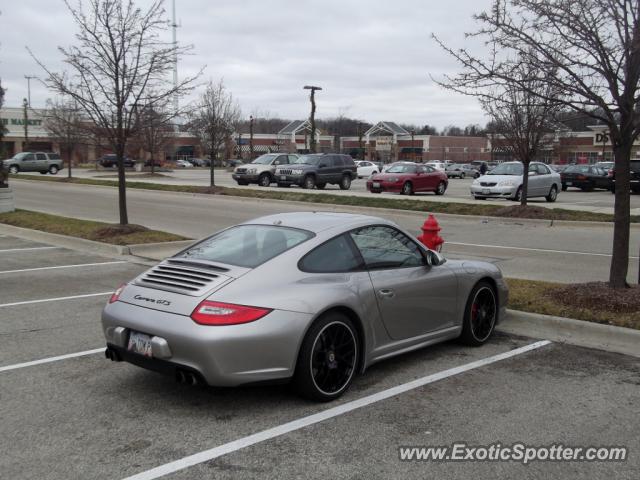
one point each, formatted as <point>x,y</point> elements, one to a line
<point>261,351</point>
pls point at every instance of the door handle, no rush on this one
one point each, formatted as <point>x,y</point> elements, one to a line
<point>386,293</point>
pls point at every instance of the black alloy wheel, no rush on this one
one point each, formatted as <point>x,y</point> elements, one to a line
<point>481,314</point>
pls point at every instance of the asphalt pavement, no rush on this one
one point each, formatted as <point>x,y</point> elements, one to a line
<point>523,249</point>
<point>68,413</point>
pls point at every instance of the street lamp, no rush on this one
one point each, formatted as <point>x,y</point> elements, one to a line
<point>29,77</point>
<point>312,118</point>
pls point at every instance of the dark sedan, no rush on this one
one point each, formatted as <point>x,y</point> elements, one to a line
<point>407,178</point>
<point>585,177</point>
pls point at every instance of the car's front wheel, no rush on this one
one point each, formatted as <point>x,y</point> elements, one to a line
<point>480,315</point>
<point>13,169</point>
<point>442,187</point>
<point>264,180</point>
<point>553,194</point>
<point>309,182</point>
<point>328,358</point>
<point>407,189</point>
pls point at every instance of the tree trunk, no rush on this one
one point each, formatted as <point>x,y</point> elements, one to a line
<point>525,182</point>
<point>122,187</point>
<point>621,218</point>
<point>212,180</point>
<point>153,163</point>
<point>69,153</point>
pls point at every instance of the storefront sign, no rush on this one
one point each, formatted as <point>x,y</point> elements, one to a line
<point>384,143</point>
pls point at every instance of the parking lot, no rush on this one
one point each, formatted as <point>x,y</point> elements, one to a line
<point>69,413</point>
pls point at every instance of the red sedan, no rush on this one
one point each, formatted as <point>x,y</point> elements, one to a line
<point>409,178</point>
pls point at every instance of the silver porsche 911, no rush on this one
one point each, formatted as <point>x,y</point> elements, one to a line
<point>310,297</point>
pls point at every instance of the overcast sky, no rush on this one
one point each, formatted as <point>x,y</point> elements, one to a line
<point>372,58</point>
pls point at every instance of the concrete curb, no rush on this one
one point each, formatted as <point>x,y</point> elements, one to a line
<point>574,332</point>
<point>390,211</point>
<point>155,251</point>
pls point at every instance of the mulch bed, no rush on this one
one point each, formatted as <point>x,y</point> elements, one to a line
<point>526,211</point>
<point>598,296</point>
<point>118,230</point>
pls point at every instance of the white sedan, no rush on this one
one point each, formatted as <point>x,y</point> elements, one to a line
<point>366,168</point>
<point>183,164</point>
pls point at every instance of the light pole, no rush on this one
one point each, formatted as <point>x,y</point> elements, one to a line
<point>251,138</point>
<point>25,113</point>
<point>312,117</point>
<point>29,77</point>
<point>413,150</point>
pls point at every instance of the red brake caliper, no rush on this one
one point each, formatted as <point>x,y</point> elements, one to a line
<point>474,312</point>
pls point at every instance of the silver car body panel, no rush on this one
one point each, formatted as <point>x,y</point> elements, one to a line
<point>427,307</point>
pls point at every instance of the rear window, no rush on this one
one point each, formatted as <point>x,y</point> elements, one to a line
<point>335,256</point>
<point>577,169</point>
<point>247,245</point>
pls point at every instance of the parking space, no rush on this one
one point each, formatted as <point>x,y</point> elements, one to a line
<point>86,417</point>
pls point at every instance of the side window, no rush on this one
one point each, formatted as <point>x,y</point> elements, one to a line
<point>385,247</point>
<point>335,256</point>
<point>281,160</point>
<point>337,161</point>
<point>29,157</point>
<point>428,169</point>
<point>543,169</point>
<point>54,156</point>
<point>41,156</point>
<point>292,158</point>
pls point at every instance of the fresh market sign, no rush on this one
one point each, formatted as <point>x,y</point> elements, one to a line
<point>20,121</point>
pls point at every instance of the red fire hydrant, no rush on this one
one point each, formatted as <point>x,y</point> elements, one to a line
<point>430,237</point>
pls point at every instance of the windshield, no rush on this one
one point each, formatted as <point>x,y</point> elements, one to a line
<point>453,166</point>
<point>20,156</point>
<point>247,245</point>
<point>309,160</point>
<point>402,169</point>
<point>265,159</point>
<point>507,169</point>
<point>577,168</point>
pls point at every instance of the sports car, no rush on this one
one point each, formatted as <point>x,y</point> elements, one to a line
<point>311,298</point>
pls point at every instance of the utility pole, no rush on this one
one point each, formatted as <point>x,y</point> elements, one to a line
<point>29,77</point>
<point>361,152</point>
<point>25,110</point>
<point>174,27</point>
<point>413,148</point>
<point>250,138</point>
<point>312,118</point>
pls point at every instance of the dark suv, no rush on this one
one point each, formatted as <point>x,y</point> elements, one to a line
<point>316,170</point>
<point>111,161</point>
<point>634,178</point>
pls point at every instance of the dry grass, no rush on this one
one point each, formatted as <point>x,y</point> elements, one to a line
<point>89,230</point>
<point>591,302</point>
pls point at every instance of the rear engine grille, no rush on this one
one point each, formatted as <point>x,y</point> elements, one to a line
<point>488,184</point>
<point>180,279</point>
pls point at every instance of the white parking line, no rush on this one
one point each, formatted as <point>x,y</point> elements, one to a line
<point>62,266</point>
<point>533,249</point>
<point>50,359</point>
<point>44,300</point>
<point>285,428</point>
<point>26,249</point>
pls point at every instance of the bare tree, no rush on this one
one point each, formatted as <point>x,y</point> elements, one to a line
<point>213,120</point>
<point>118,60</point>
<point>593,46</point>
<point>154,129</point>
<point>65,125</point>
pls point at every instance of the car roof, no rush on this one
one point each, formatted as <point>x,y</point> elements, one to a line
<point>318,221</point>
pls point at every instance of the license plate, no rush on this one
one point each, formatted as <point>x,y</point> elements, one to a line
<point>140,343</point>
<point>376,184</point>
<point>486,191</point>
<point>283,177</point>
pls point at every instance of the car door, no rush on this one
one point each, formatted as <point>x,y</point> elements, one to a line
<point>413,298</point>
<point>421,179</point>
<point>29,163</point>
<point>546,179</point>
<point>534,187</point>
<point>42,162</point>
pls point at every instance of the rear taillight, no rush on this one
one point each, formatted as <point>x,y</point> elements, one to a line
<point>581,177</point>
<point>610,173</point>
<point>116,295</point>
<point>217,313</point>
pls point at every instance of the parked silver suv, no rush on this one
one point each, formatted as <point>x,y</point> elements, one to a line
<point>42,162</point>
<point>262,169</point>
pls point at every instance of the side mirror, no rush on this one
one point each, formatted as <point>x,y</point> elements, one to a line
<point>435,259</point>
<point>277,162</point>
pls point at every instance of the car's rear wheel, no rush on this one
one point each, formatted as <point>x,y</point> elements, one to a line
<point>53,169</point>
<point>264,180</point>
<point>328,358</point>
<point>407,189</point>
<point>13,169</point>
<point>480,315</point>
<point>309,182</point>
<point>553,194</point>
<point>442,187</point>
<point>345,182</point>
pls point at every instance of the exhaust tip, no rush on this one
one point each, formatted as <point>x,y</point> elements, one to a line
<point>112,355</point>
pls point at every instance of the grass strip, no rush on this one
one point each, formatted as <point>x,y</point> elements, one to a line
<point>87,229</point>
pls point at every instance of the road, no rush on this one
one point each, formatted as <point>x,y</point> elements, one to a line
<point>458,191</point>
<point>530,250</point>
